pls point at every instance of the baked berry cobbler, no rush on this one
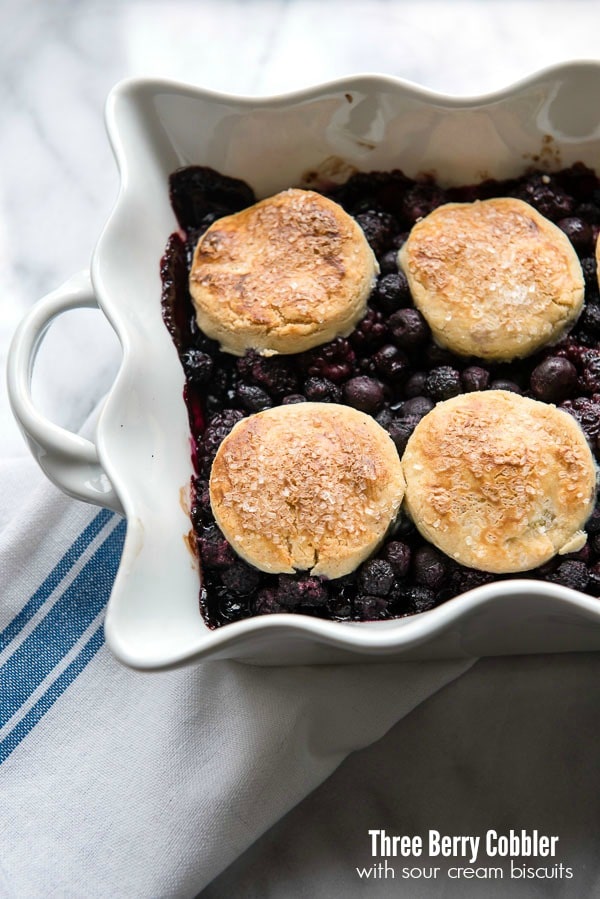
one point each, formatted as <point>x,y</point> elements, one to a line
<point>360,297</point>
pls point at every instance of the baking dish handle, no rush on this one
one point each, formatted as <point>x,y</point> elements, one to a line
<point>70,461</point>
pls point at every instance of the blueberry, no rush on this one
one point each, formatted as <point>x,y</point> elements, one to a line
<point>400,430</point>
<point>553,379</point>
<point>578,232</point>
<point>589,269</point>
<point>429,567</point>
<point>415,384</point>
<point>443,383</point>
<point>418,406</point>
<point>391,362</point>
<point>293,398</point>
<point>422,199</point>
<point>505,384</point>
<point>215,551</point>
<point>378,228</point>
<point>376,577</point>
<point>363,393</point>
<point>593,584</point>
<point>389,262</point>
<point>590,320</point>
<point>398,554</point>
<point>419,599</point>
<point>408,329</point>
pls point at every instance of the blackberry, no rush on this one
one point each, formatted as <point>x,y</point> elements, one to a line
<point>267,602</point>
<point>571,574</point>
<point>253,398</point>
<point>322,390</point>
<point>553,380</point>
<point>376,577</point>
<point>392,292</point>
<point>195,191</point>
<point>547,197</point>
<point>590,320</point>
<point>420,200</point>
<point>240,578</point>
<point>364,394</point>
<point>443,383</point>
<point>198,366</point>
<point>370,332</point>
<point>370,608</point>
<point>334,361</point>
<point>215,551</point>
<point>273,375</point>
<point>474,378</point>
<point>216,431</point>
<point>306,591</point>
<point>587,412</point>
<point>378,227</point>
<point>590,376</point>
<point>419,599</point>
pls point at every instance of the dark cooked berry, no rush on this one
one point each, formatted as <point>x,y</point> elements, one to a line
<point>571,574</point>
<point>197,365</point>
<point>592,525</point>
<point>593,584</point>
<point>215,551</point>
<point>240,578</point>
<point>474,378</point>
<point>417,406</point>
<point>554,379</point>
<point>364,394</point>
<point>587,412</point>
<point>378,228</point>
<point>305,591</point>
<point>267,602</point>
<point>253,398</point>
<point>273,375</point>
<point>408,329</point>
<point>505,384</point>
<point>217,429</point>
<point>435,356</point>
<point>590,320</point>
<point>404,526</point>
<point>589,269</point>
<point>463,579</point>
<point>442,383</point>
<point>419,598</point>
<point>590,376</point>
<point>415,384</point>
<point>322,390</point>
<point>293,398</point>
<point>392,291</point>
<point>391,362</point>
<point>376,577</point>
<point>422,199</point>
<point>334,361</point>
<point>388,263</point>
<point>195,190</point>
<point>578,232</point>
<point>398,554</point>
<point>370,332</point>
<point>400,430</point>
<point>370,608</point>
<point>231,608</point>
<point>547,197</point>
<point>429,567</point>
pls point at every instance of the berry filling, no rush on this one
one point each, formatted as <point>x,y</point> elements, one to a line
<point>389,368</point>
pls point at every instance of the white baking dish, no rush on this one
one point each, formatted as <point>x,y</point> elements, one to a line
<point>140,461</point>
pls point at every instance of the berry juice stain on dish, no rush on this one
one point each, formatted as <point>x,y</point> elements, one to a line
<point>392,359</point>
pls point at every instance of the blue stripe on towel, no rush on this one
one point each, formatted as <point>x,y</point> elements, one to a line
<point>55,577</point>
<point>61,628</point>
<point>12,740</point>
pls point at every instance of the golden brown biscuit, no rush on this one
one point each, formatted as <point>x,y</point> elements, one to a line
<point>493,278</point>
<point>284,275</point>
<point>498,481</point>
<point>312,486</point>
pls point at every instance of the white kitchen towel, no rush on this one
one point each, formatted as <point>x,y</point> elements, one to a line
<point>118,783</point>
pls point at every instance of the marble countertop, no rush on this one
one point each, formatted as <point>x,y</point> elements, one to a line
<point>58,180</point>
